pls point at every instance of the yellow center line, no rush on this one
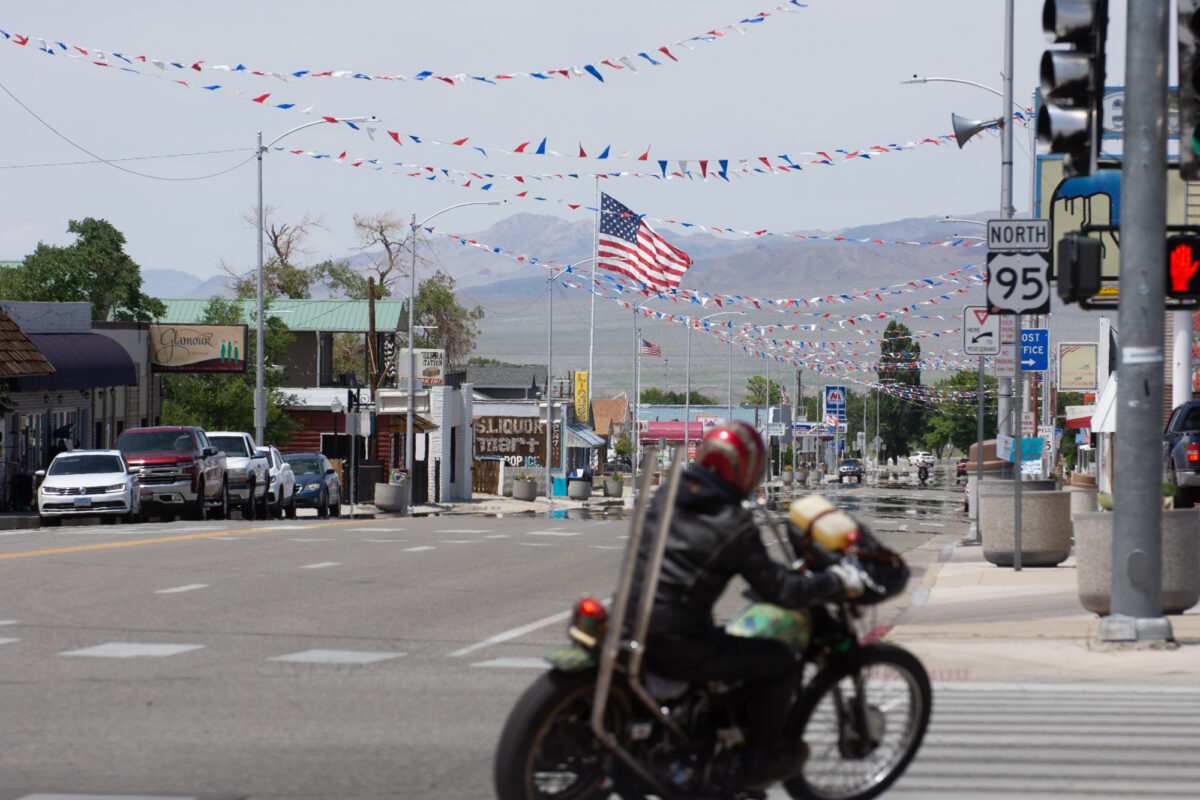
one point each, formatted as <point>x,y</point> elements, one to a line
<point>108,545</point>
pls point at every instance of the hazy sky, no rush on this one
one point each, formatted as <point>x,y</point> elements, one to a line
<point>822,78</point>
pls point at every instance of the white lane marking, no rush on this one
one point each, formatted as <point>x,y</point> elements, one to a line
<point>518,663</point>
<point>133,650</point>
<point>337,657</point>
<point>606,547</point>
<point>497,536</point>
<point>459,541</point>
<point>419,549</point>
<point>56,796</point>
<point>224,538</point>
<point>8,640</point>
<point>9,622</point>
<point>322,565</point>
<point>188,588</point>
<point>551,533</point>
<point>536,544</point>
<point>386,540</point>
<point>463,530</point>
<point>512,634</point>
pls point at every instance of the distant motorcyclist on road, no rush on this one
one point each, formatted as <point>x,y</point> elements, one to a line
<point>712,538</point>
<point>923,474</point>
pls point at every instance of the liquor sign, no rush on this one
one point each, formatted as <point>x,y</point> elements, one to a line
<point>520,441</point>
<point>197,348</point>
<point>581,397</point>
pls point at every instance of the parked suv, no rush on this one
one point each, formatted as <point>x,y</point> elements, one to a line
<point>179,469</point>
<point>850,468</point>
<point>249,480</point>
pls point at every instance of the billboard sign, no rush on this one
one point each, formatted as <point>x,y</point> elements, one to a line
<point>197,348</point>
<point>1078,366</point>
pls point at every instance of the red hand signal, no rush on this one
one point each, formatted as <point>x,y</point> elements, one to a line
<point>1182,267</point>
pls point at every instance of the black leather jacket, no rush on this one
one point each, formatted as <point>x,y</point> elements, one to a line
<point>713,538</point>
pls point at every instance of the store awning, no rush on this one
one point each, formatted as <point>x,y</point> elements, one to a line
<point>579,435</point>
<point>80,361</point>
<point>1080,416</point>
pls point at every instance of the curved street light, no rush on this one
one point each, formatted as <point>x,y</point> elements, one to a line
<point>260,392</point>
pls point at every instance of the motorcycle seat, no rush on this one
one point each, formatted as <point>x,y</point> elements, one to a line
<point>663,688</point>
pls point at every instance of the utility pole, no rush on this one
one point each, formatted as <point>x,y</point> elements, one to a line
<point>1136,607</point>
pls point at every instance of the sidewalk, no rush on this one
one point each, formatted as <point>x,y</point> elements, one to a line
<point>970,620</point>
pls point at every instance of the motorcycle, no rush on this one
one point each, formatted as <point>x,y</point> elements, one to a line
<point>923,474</point>
<point>596,724</point>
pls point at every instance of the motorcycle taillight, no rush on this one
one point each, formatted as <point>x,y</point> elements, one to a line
<point>589,618</point>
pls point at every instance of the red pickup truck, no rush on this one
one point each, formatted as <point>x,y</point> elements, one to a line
<point>180,470</point>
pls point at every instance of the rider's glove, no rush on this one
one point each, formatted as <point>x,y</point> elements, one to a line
<point>852,576</point>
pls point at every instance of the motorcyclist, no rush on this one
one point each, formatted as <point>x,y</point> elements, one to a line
<point>923,474</point>
<point>712,538</point>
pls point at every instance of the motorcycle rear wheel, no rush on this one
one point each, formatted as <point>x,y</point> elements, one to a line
<point>547,748</point>
<point>863,720</point>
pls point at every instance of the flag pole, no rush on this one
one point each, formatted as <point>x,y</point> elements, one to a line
<point>592,327</point>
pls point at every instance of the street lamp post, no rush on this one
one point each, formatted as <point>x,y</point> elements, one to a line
<point>260,392</point>
<point>687,394</point>
<point>549,373</point>
<point>412,301</point>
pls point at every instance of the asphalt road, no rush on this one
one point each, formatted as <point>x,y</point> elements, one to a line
<point>303,658</point>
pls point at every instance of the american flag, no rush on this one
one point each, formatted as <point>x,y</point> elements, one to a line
<point>651,349</point>
<point>783,401</point>
<point>631,247</point>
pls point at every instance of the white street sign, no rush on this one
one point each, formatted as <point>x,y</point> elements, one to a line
<point>981,331</point>
<point>1028,423</point>
<point>1019,283</point>
<point>1008,329</point>
<point>1006,362</point>
<point>1018,235</point>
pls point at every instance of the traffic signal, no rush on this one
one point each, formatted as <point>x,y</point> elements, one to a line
<point>1078,267</point>
<point>1189,90</point>
<point>1071,116</point>
<point>1183,267</point>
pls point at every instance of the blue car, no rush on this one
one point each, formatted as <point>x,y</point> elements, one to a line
<point>317,483</point>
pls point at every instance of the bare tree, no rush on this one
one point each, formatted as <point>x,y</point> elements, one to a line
<point>282,276</point>
<point>387,240</point>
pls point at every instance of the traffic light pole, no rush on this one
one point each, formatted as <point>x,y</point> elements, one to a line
<point>1136,605</point>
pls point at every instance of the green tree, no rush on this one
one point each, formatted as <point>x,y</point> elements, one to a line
<point>225,401</point>
<point>94,269</point>
<point>954,421</point>
<point>901,419</point>
<point>658,397</point>
<point>449,326</point>
<point>756,391</point>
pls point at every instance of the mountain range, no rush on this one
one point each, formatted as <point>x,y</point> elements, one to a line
<point>776,265</point>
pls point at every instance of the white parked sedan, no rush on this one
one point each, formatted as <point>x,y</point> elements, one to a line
<point>87,483</point>
<point>921,459</point>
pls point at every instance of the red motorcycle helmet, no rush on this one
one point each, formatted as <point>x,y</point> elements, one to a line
<point>735,452</point>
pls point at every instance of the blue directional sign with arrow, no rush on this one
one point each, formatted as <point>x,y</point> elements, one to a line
<point>1035,350</point>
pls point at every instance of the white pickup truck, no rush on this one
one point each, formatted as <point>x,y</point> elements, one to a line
<point>248,474</point>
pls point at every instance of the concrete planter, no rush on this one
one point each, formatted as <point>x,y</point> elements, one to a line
<point>613,488</point>
<point>786,477</point>
<point>1180,560</point>
<point>1045,523</point>
<point>394,498</point>
<point>1084,498</point>
<point>524,490</point>
<point>579,489</point>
